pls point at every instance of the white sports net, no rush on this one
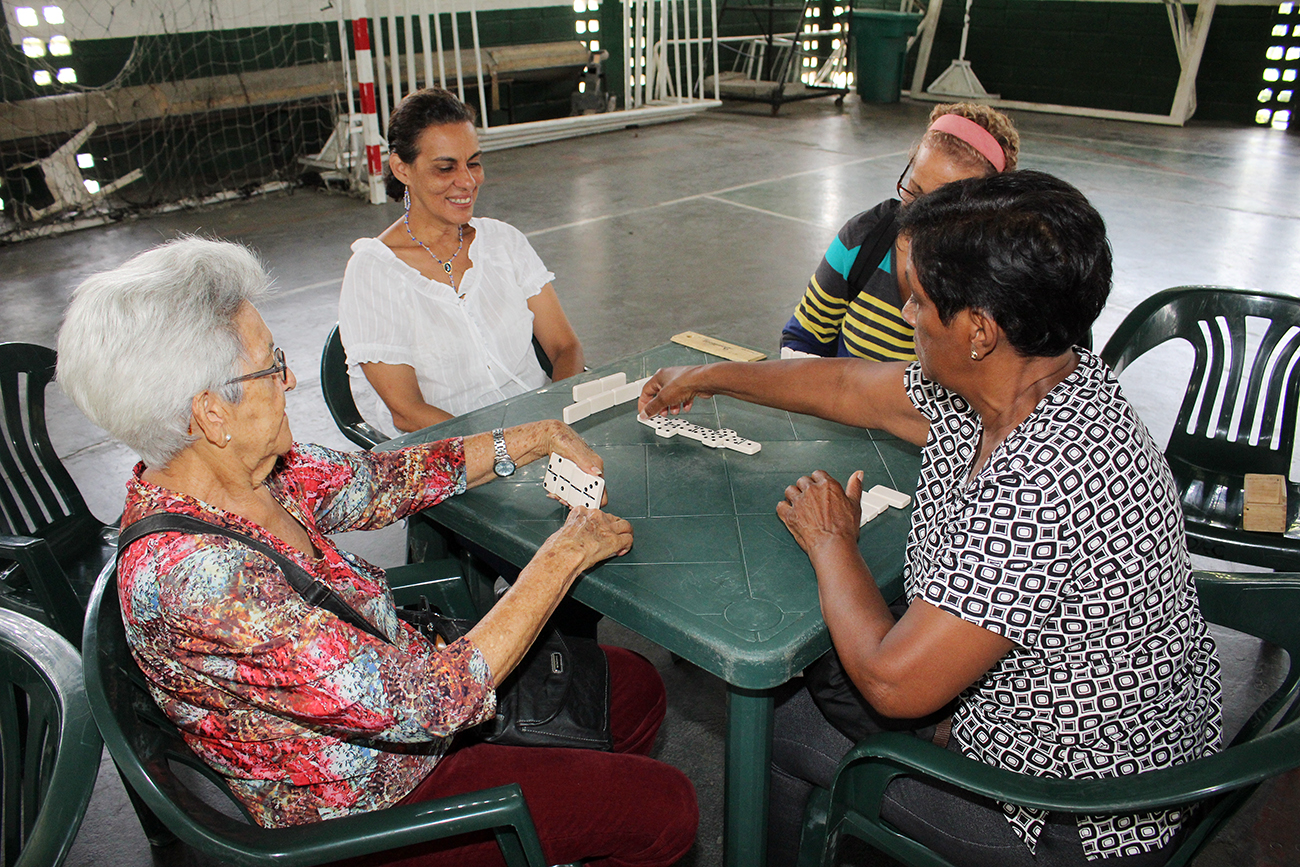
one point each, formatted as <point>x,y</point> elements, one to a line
<point>115,106</point>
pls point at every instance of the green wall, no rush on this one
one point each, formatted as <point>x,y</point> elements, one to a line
<point>1104,55</point>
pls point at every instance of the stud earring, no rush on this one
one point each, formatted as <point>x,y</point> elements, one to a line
<point>974,356</point>
<point>227,437</point>
<point>406,199</point>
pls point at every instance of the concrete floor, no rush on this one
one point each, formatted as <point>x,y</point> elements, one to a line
<point>714,225</point>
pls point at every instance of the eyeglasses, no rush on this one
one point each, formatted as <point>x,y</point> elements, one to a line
<point>281,367</point>
<point>905,195</point>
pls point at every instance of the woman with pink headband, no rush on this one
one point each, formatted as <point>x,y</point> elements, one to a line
<point>853,305</point>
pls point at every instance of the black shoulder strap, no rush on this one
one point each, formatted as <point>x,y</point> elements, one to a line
<point>882,240</point>
<point>311,590</point>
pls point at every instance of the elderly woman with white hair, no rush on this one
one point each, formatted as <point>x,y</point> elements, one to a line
<point>306,716</point>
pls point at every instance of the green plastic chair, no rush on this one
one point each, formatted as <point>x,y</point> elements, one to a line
<point>1208,456</point>
<point>49,747</point>
<point>1260,604</point>
<point>51,546</point>
<point>337,389</point>
<point>145,745</point>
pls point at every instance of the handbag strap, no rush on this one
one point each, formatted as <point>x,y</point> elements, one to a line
<point>312,591</point>
<point>885,234</point>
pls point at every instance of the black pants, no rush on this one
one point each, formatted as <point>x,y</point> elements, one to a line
<point>968,831</point>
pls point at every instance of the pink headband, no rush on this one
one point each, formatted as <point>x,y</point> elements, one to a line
<point>974,135</point>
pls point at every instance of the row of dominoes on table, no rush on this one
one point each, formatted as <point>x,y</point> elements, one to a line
<point>600,394</point>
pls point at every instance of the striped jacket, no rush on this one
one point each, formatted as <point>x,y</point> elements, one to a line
<point>849,311</point>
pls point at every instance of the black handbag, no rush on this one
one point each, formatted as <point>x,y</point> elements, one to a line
<point>558,695</point>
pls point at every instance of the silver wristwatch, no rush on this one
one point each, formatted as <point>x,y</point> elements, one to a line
<point>502,465</point>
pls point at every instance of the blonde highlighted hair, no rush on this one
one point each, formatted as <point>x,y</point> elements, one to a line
<point>998,125</point>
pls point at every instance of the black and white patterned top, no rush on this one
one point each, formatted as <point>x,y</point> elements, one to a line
<point>1070,543</point>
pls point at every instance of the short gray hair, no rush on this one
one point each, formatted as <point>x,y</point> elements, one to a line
<point>140,341</point>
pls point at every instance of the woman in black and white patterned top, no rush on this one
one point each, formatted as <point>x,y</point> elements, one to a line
<point>1050,608</point>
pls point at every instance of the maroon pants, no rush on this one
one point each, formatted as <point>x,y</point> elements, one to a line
<point>618,809</point>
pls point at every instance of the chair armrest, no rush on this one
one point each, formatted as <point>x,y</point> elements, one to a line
<point>46,578</point>
<point>366,435</point>
<point>404,825</point>
<point>241,843</point>
<point>870,766</point>
<point>442,582</point>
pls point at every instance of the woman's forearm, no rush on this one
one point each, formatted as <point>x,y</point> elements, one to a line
<point>525,443</point>
<point>847,390</point>
<point>506,632</point>
<point>412,417</point>
<point>568,362</point>
<point>856,614</point>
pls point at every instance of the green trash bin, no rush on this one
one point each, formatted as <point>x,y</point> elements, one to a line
<point>880,46</point>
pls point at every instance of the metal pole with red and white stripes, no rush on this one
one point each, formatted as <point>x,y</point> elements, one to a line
<point>369,117</point>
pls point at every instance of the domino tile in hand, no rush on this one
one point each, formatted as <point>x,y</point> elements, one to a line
<point>572,484</point>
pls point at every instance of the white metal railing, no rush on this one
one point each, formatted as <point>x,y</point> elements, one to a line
<point>664,44</point>
<point>648,67</point>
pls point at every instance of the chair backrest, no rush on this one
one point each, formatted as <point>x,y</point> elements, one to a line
<point>337,389</point>
<point>1260,604</point>
<point>49,747</point>
<point>1267,607</point>
<point>543,359</point>
<point>1239,411</point>
<point>37,496</point>
<point>142,741</point>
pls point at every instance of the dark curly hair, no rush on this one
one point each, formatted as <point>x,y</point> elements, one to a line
<point>1025,247</point>
<point>431,106</point>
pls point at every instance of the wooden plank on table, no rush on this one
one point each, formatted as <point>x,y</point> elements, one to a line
<point>714,346</point>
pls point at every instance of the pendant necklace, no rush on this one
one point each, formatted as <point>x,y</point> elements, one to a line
<point>446,266</point>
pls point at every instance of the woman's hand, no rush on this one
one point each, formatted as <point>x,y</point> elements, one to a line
<point>526,443</point>
<point>819,513</point>
<point>670,389</point>
<point>506,632</point>
<point>597,535</point>
<point>563,440</point>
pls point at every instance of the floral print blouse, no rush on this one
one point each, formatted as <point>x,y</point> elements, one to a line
<point>306,717</point>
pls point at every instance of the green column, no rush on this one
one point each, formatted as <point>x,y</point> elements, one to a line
<point>611,40</point>
<point>748,780</point>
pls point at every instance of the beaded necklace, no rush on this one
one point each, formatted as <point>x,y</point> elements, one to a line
<point>446,266</point>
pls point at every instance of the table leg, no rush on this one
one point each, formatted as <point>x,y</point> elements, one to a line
<point>749,754</point>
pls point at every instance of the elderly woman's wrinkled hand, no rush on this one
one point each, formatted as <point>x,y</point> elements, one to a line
<point>818,511</point>
<point>669,390</point>
<point>597,534</point>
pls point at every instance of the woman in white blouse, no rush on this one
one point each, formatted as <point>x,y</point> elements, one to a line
<point>438,313</point>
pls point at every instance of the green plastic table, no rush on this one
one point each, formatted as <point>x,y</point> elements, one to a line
<point>713,574</point>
